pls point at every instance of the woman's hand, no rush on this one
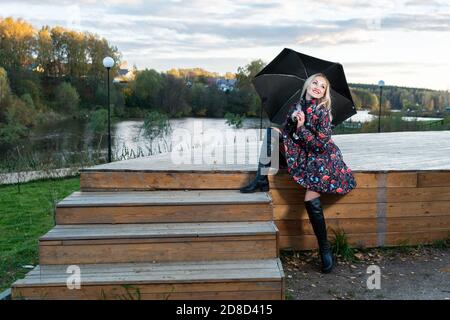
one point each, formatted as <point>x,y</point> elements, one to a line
<point>300,116</point>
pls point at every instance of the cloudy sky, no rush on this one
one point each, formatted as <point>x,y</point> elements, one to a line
<point>404,42</point>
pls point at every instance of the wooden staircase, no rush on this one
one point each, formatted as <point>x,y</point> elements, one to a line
<point>159,235</point>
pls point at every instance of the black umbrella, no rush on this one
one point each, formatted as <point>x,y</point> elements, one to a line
<point>280,84</point>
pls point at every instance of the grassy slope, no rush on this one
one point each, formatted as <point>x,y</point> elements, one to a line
<point>24,217</point>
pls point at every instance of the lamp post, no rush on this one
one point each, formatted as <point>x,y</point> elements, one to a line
<point>380,84</point>
<point>108,63</point>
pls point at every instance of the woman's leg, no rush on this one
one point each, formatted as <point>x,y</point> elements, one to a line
<point>313,206</point>
<point>311,195</point>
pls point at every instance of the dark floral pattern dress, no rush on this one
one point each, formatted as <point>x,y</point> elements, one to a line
<point>313,159</point>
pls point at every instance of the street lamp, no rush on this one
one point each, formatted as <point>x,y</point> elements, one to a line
<point>380,84</point>
<point>108,63</point>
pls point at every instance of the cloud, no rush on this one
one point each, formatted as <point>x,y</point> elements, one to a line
<point>336,38</point>
<point>418,22</point>
<point>231,31</point>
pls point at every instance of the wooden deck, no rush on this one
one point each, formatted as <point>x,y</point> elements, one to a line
<point>153,210</point>
<point>393,151</point>
<point>403,192</point>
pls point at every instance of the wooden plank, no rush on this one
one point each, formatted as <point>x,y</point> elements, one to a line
<point>172,197</point>
<point>160,240</point>
<point>283,180</point>
<point>439,178</point>
<point>410,224</point>
<point>365,225</point>
<point>157,240</point>
<point>330,211</point>
<point>308,242</point>
<point>181,277</point>
<point>283,278</point>
<point>418,209</point>
<point>301,226</point>
<point>186,277</point>
<point>128,180</point>
<point>369,195</point>
<point>153,230</point>
<point>401,180</point>
<point>148,252</point>
<point>258,278</point>
<point>165,213</point>
<point>159,271</point>
<point>417,237</point>
<point>141,292</point>
<point>226,284</point>
<point>418,194</point>
<point>365,210</point>
<point>162,180</point>
<point>293,196</point>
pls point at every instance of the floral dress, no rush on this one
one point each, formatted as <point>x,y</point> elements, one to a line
<point>313,159</point>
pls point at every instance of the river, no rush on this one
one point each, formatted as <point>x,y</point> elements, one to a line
<point>66,139</point>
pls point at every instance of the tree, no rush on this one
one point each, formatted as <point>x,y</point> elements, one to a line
<point>44,51</point>
<point>245,74</point>
<point>197,99</point>
<point>172,97</point>
<point>230,75</point>
<point>147,85</point>
<point>5,93</point>
<point>244,78</point>
<point>17,43</point>
<point>67,98</point>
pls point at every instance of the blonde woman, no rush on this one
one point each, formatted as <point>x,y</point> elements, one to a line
<point>310,156</point>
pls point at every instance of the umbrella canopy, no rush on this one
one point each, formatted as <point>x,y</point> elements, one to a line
<point>280,84</point>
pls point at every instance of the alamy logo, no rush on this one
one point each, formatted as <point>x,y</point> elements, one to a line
<point>74,280</point>
<point>374,280</point>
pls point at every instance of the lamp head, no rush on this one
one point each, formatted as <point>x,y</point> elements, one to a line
<point>108,62</point>
<point>381,83</point>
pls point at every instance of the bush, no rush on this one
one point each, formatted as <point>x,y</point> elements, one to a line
<point>11,132</point>
<point>155,124</point>
<point>67,98</point>
<point>98,121</point>
<point>234,120</point>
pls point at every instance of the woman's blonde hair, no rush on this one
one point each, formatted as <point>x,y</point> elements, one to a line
<point>326,99</point>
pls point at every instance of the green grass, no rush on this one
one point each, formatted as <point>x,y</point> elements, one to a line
<point>442,244</point>
<point>24,217</point>
<point>341,246</point>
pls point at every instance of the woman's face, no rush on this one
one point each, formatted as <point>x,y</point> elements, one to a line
<point>317,88</point>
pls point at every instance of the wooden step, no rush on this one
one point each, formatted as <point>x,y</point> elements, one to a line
<point>160,171</point>
<point>158,180</point>
<point>235,279</point>
<point>87,244</point>
<point>163,206</point>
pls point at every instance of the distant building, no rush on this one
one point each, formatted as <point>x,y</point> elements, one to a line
<point>124,74</point>
<point>226,84</point>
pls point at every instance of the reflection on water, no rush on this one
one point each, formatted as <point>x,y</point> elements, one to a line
<point>73,137</point>
<point>364,116</point>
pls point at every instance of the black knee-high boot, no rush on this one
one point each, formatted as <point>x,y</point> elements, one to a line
<point>315,213</point>
<point>261,181</point>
